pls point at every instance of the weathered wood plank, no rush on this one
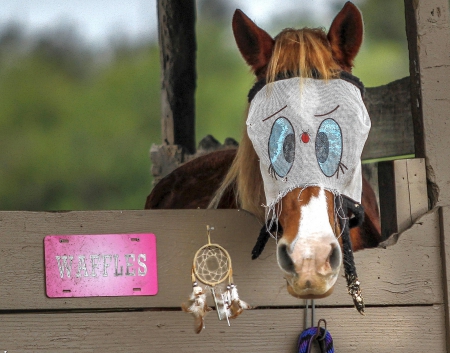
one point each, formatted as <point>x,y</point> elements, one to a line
<point>392,126</point>
<point>407,273</point>
<point>428,35</point>
<point>414,72</point>
<point>396,329</point>
<point>176,19</point>
<point>445,253</point>
<point>417,184</point>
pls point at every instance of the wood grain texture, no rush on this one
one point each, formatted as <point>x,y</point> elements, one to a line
<point>165,159</point>
<point>417,186</point>
<point>407,273</point>
<point>428,33</point>
<point>414,72</point>
<point>445,253</point>
<point>178,47</point>
<point>405,329</point>
<point>392,126</point>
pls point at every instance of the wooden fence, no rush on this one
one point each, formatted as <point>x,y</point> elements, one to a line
<point>403,289</point>
<point>405,285</point>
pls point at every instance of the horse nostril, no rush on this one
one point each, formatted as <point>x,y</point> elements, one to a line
<point>284,260</point>
<point>335,257</point>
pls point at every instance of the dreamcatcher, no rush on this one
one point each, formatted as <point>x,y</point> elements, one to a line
<point>212,267</point>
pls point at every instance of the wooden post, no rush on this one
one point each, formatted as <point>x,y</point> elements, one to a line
<point>444,213</point>
<point>176,24</point>
<point>427,26</point>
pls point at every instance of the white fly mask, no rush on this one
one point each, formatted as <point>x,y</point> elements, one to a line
<point>309,132</point>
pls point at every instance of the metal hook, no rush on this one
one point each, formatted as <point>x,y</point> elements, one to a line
<point>318,330</point>
<point>318,337</point>
<point>208,230</point>
<point>313,311</point>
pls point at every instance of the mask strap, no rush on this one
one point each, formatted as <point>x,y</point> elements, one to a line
<point>344,75</point>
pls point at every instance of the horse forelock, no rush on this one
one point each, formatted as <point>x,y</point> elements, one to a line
<point>302,52</point>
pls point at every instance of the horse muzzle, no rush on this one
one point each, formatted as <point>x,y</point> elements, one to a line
<point>311,267</point>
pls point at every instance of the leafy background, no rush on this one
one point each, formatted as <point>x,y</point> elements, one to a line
<point>77,122</point>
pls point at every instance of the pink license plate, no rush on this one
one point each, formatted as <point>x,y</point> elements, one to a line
<point>100,265</point>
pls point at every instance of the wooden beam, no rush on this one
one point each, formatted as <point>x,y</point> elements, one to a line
<point>176,25</point>
<point>388,276</point>
<point>382,330</point>
<point>392,125</point>
<point>427,25</point>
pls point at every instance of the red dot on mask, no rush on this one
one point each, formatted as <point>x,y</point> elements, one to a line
<point>305,137</point>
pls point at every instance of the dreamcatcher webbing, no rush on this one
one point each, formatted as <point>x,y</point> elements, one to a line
<point>212,266</point>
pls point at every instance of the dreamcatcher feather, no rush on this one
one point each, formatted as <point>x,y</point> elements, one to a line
<point>212,267</point>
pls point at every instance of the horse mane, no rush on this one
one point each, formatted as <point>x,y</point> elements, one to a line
<point>304,53</point>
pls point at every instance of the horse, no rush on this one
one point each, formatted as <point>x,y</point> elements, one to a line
<point>309,246</point>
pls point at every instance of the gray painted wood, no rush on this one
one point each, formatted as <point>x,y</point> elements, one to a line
<point>407,273</point>
<point>427,24</point>
<point>429,43</point>
<point>445,253</point>
<point>382,330</point>
<point>417,185</point>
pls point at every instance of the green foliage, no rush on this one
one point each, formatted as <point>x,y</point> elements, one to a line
<point>384,55</point>
<point>384,20</point>
<point>381,62</point>
<point>78,143</point>
<point>223,81</point>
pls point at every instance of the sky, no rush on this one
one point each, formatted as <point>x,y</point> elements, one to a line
<point>96,20</point>
<point>99,21</point>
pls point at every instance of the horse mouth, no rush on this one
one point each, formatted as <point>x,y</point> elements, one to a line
<point>309,292</point>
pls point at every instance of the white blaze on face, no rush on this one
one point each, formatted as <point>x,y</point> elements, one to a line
<point>314,222</point>
<point>311,261</point>
<point>314,241</point>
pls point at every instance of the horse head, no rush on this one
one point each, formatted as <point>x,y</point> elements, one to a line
<point>296,74</point>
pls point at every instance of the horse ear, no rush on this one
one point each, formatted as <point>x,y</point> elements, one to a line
<point>254,43</point>
<point>346,35</point>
